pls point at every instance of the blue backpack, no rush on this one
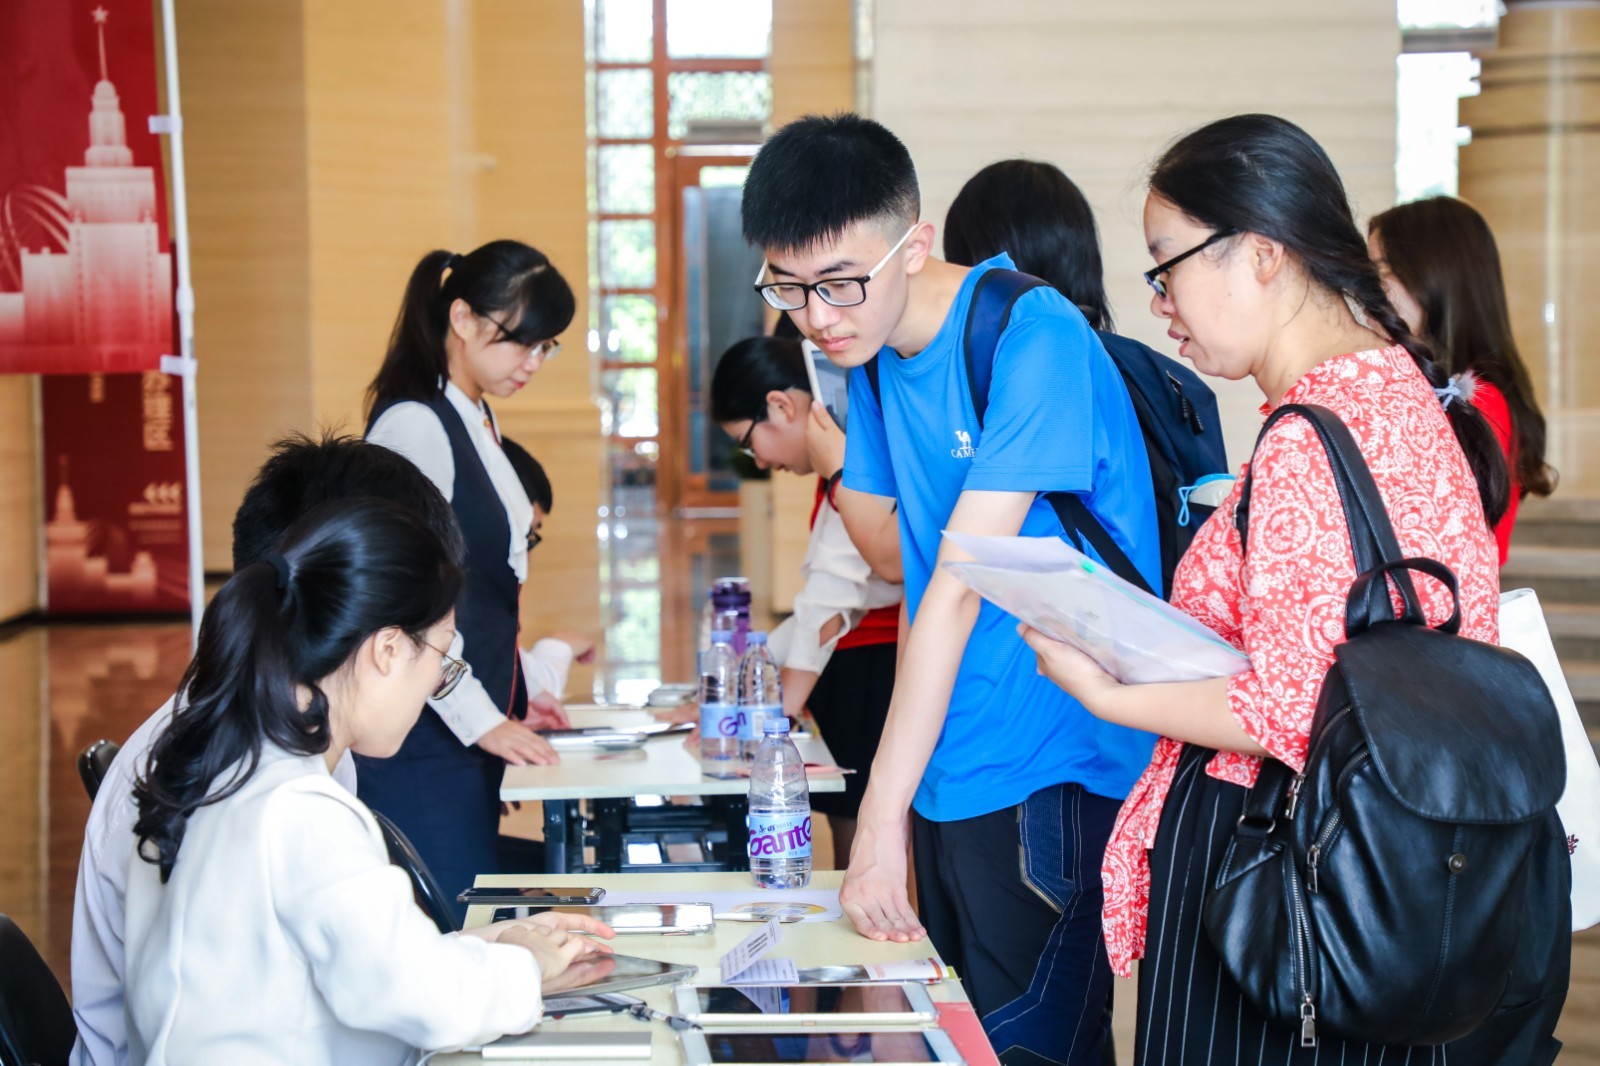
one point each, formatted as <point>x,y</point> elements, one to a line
<point>1177,415</point>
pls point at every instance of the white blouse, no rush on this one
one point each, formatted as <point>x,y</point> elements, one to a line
<point>284,935</point>
<point>839,583</point>
<point>414,431</point>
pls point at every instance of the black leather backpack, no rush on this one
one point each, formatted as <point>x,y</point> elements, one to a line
<point>1379,895</point>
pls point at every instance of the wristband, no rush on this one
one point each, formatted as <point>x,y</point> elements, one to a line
<point>833,487</point>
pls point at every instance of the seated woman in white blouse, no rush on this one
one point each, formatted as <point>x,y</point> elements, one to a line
<point>264,921</point>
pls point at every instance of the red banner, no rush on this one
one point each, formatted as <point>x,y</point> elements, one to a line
<point>116,538</point>
<point>85,267</point>
<point>86,281</point>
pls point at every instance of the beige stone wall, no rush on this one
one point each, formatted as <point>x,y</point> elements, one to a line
<point>20,529</point>
<point>1098,90</point>
<point>242,67</point>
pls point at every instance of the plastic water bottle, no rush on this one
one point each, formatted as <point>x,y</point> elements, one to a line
<point>780,811</point>
<point>719,707</point>
<point>760,693</point>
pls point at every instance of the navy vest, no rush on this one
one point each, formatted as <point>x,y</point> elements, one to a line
<point>486,613</point>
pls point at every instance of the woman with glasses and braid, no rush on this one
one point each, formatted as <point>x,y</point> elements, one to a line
<point>470,327</point>
<point>1260,272</point>
<point>265,922</point>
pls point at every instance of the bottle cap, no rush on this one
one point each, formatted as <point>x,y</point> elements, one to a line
<point>755,637</point>
<point>721,636</point>
<point>777,725</point>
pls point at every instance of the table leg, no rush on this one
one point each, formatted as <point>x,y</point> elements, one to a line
<point>608,816</point>
<point>731,812</point>
<point>555,836</point>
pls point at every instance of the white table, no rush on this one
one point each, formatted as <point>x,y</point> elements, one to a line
<point>808,943</point>
<point>662,767</point>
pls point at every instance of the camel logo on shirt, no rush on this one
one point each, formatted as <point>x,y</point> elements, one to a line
<point>964,449</point>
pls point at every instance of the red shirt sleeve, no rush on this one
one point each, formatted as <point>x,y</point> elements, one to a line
<point>1491,403</point>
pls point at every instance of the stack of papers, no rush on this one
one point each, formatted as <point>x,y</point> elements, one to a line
<point>1069,597</point>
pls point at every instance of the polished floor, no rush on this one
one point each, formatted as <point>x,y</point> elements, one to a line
<point>67,685</point>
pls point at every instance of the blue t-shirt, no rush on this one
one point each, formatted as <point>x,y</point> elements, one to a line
<point>1059,420</point>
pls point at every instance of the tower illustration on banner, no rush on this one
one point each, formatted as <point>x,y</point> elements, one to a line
<point>78,574</point>
<point>105,297</point>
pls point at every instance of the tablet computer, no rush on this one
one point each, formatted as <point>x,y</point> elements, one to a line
<point>864,1005</point>
<point>611,736</point>
<point>829,384</point>
<point>532,896</point>
<point>623,973</point>
<point>629,919</point>
<point>905,1047</point>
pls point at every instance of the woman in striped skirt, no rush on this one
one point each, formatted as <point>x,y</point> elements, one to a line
<point>1261,272</point>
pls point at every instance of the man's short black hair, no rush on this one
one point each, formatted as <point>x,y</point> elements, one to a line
<point>535,482</point>
<point>749,370</point>
<point>822,174</point>
<point>304,473</point>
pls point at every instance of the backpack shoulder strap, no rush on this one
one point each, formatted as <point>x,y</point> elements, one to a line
<point>993,297</point>
<point>1372,537</point>
<point>871,367</point>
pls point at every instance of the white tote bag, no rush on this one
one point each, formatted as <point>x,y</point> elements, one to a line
<point>1523,630</point>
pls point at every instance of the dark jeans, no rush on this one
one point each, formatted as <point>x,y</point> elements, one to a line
<point>1012,900</point>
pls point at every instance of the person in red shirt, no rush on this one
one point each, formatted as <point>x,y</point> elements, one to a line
<point>1260,268</point>
<point>1441,270</point>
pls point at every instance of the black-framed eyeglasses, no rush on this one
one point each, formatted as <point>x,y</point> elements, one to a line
<point>451,671</point>
<point>743,443</point>
<point>544,349</point>
<point>1153,275</point>
<point>837,292</point>
<point>535,538</point>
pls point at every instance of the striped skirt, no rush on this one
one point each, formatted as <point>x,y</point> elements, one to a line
<point>1192,1013</point>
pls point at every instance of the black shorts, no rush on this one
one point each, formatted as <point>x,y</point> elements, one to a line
<point>850,704</point>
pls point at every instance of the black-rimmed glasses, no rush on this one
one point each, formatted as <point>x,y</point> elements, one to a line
<point>535,538</point>
<point>836,292</point>
<point>544,349</point>
<point>451,671</point>
<point>743,443</point>
<point>1153,275</point>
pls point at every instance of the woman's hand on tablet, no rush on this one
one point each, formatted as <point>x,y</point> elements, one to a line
<point>566,959</point>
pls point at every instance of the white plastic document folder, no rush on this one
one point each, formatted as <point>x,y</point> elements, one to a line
<point>1066,595</point>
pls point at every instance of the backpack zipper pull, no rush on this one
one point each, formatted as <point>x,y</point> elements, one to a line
<point>1186,409</point>
<point>1308,1023</point>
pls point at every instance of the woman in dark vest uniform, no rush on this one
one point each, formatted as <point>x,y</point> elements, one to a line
<point>471,326</point>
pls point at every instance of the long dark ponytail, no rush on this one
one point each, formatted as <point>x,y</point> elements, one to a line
<point>345,571</point>
<point>1443,253</point>
<point>507,281</point>
<point>1262,174</point>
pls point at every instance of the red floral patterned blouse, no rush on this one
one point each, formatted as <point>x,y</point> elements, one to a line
<point>1284,605</point>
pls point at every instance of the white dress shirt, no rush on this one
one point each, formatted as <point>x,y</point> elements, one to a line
<point>97,908</point>
<point>413,430</point>
<point>285,936</point>
<point>839,583</point>
<point>545,666</point>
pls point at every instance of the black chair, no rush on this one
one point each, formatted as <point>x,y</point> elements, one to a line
<point>36,1023</point>
<point>430,897</point>
<point>95,763</point>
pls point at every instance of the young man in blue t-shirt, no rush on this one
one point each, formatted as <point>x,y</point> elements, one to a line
<point>1012,784</point>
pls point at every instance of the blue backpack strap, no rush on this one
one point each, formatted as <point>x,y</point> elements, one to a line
<point>988,315</point>
<point>995,293</point>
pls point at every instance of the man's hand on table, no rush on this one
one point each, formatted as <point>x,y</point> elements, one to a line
<point>874,892</point>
